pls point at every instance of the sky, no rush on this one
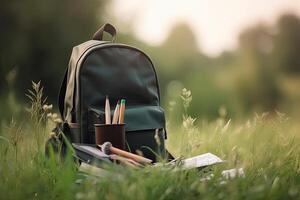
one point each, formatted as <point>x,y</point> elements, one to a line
<point>216,23</point>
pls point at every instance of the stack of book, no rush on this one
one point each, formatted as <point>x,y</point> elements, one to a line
<point>91,159</point>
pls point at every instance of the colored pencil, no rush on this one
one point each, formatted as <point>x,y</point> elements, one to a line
<point>122,111</point>
<point>116,113</point>
<point>107,111</point>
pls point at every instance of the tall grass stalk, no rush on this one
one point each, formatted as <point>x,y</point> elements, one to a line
<point>37,113</point>
<point>15,137</point>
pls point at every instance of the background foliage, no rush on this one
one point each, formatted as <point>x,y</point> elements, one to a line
<point>261,74</point>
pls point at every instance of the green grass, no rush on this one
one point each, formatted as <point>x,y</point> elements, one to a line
<point>267,147</point>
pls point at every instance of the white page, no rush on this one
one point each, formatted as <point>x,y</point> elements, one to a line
<point>232,173</point>
<point>203,160</point>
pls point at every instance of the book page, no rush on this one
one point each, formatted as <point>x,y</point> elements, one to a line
<point>203,160</point>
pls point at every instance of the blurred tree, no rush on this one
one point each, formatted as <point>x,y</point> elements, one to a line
<point>287,44</point>
<point>182,64</point>
<point>37,38</point>
<point>175,57</point>
<point>178,55</point>
<point>182,45</point>
<point>181,41</point>
<point>256,84</point>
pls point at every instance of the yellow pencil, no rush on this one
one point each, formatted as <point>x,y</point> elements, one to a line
<point>116,114</point>
<point>122,111</point>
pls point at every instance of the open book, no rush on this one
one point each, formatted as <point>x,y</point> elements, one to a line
<point>88,153</point>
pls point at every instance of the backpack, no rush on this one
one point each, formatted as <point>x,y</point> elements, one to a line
<point>98,68</point>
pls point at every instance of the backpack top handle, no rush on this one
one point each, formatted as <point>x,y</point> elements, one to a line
<point>107,28</point>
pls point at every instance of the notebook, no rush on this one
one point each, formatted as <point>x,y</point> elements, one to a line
<point>89,153</point>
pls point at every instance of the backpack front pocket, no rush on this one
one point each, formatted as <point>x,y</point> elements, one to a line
<point>145,128</point>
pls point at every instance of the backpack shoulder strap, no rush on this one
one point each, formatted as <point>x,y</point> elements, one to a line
<point>62,94</point>
<point>63,88</point>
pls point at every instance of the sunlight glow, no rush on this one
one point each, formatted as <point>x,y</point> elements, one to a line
<point>216,23</point>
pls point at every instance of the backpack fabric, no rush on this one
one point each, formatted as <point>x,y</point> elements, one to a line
<point>98,68</point>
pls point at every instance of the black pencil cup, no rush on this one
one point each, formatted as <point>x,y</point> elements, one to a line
<point>114,133</point>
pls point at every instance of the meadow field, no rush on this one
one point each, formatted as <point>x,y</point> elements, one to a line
<point>266,146</point>
<point>241,104</point>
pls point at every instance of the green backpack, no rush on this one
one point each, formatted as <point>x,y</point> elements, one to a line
<point>98,68</point>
